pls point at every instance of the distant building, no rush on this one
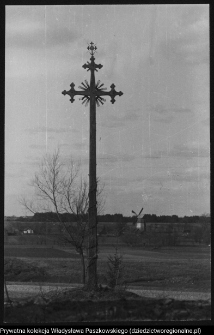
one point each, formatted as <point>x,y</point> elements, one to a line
<point>140,224</point>
<point>27,231</point>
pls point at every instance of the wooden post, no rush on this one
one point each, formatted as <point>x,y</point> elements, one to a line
<point>92,211</point>
<point>92,93</point>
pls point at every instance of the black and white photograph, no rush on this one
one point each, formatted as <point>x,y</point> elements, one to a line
<point>107,164</point>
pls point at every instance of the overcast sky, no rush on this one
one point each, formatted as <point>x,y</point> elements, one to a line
<point>153,143</point>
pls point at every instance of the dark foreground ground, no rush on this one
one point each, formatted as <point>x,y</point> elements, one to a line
<point>78,305</point>
<point>184,269</point>
<point>178,269</point>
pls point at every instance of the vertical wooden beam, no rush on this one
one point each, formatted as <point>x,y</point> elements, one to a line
<point>92,212</point>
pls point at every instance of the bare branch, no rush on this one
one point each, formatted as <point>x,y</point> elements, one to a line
<point>27,204</point>
<point>60,188</point>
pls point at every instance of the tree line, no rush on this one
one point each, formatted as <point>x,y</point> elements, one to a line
<point>67,217</point>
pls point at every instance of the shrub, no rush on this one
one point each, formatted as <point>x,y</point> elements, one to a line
<point>115,271</point>
<point>18,270</point>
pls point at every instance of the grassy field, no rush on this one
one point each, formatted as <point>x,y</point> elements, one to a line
<point>170,268</point>
<point>37,252</point>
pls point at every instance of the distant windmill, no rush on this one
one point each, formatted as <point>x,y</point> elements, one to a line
<point>137,215</point>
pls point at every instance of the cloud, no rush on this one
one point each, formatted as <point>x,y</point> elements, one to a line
<point>111,124</point>
<point>190,175</point>
<point>166,113</point>
<point>115,181</point>
<point>206,122</point>
<point>44,129</point>
<point>121,157</point>
<point>80,145</point>
<point>120,121</point>
<point>64,145</point>
<point>128,116</point>
<point>190,40</point>
<point>154,155</point>
<point>158,108</point>
<point>190,150</point>
<point>34,34</point>
<point>32,160</point>
<point>166,119</point>
<point>37,146</point>
<point>126,157</point>
<point>161,109</point>
<point>10,175</point>
<point>180,110</point>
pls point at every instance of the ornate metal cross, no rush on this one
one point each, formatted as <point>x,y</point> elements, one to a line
<point>92,93</point>
<point>94,90</point>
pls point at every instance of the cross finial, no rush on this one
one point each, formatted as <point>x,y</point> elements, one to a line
<point>94,89</point>
<point>92,48</point>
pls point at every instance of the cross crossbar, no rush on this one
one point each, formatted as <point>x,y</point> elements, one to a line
<point>96,92</point>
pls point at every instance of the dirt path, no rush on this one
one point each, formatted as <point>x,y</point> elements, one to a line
<point>26,290</point>
<point>177,295</point>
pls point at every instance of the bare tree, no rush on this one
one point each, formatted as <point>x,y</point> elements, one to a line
<point>59,188</point>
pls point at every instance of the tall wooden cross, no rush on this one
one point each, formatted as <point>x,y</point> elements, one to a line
<point>92,93</point>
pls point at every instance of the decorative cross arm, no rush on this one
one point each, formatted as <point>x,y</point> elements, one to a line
<point>72,92</point>
<point>92,66</point>
<point>98,92</point>
<point>112,93</point>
